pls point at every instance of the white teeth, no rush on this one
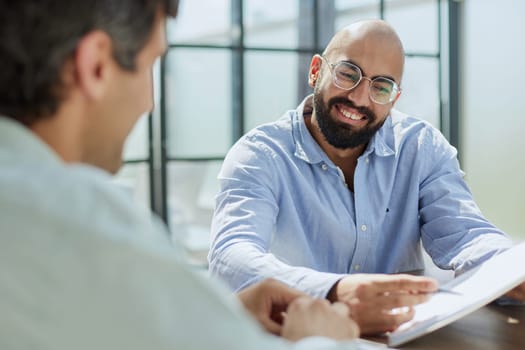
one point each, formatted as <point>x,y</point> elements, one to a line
<point>351,115</point>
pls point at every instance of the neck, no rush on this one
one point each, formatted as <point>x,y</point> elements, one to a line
<point>62,132</point>
<point>345,159</point>
<point>341,157</point>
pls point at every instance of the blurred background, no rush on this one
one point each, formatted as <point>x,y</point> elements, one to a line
<point>235,64</point>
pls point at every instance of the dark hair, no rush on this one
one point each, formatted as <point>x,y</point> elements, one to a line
<point>37,37</point>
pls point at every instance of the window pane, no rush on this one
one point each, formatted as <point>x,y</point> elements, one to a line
<point>349,11</point>
<point>420,94</point>
<point>198,102</point>
<point>271,84</point>
<point>134,178</point>
<point>271,23</point>
<point>137,143</point>
<point>192,187</point>
<point>416,22</point>
<point>492,117</point>
<point>201,22</point>
<point>136,147</point>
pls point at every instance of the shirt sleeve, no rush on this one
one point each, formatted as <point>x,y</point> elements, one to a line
<point>246,211</point>
<point>145,298</point>
<point>174,307</point>
<point>454,232</point>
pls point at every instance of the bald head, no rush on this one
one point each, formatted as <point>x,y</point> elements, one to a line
<point>374,38</point>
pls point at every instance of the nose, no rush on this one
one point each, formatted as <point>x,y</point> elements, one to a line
<point>360,94</point>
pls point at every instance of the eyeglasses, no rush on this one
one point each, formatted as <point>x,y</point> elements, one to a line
<point>347,76</point>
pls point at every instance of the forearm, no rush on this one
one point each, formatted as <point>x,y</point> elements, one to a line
<point>241,265</point>
<point>454,231</point>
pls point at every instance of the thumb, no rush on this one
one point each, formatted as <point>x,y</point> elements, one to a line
<point>270,325</point>
<point>341,308</point>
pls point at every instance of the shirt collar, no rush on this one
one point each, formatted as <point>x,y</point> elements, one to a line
<point>382,143</point>
<point>307,149</point>
<point>17,139</point>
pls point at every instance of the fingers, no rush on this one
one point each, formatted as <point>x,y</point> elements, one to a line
<point>380,284</point>
<point>412,283</point>
<point>381,303</point>
<point>375,321</point>
<point>311,317</point>
<point>270,325</point>
<point>266,301</point>
<point>391,300</point>
<point>310,303</point>
<point>385,291</point>
<point>341,308</point>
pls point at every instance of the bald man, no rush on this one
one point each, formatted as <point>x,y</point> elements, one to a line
<point>336,197</point>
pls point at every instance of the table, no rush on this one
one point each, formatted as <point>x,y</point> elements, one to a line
<point>492,327</point>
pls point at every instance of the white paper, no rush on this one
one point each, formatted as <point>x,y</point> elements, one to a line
<point>475,289</point>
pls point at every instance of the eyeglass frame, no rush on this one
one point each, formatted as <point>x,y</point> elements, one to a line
<point>332,66</point>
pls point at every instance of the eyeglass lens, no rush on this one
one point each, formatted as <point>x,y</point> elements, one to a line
<point>347,76</point>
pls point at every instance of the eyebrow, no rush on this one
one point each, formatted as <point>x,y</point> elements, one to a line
<point>364,74</point>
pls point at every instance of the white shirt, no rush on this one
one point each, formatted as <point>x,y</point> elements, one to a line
<point>82,267</point>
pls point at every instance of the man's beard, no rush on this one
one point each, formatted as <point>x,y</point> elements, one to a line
<point>338,134</point>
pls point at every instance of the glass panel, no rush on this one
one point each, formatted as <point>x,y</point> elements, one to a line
<point>420,89</point>
<point>198,102</point>
<point>134,178</point>
<point>492,118</point>
<point>416,22</point>
<point>192,187</point>
<point>136,146</point>
<point>201,22</point>
<point>271,83</point>
<point>349,11</point>
<point>271,23</point>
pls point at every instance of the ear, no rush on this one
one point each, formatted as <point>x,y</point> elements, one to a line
<point>315,68</point>
<point>94,64</point>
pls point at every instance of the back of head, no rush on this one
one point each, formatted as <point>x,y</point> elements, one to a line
<point>37,37</point>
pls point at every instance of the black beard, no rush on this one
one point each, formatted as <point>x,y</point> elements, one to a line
<point>340,135</point>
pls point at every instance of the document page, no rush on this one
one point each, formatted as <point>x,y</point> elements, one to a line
<point>465,294</point>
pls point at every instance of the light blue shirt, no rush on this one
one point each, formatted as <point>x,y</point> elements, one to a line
<point>82,267</point>
<point>284,210</point>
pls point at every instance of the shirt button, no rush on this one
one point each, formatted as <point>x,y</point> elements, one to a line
<point>366,160</point>
<point>363,228</point>
<point>324,167</point>
<point>357,267</point>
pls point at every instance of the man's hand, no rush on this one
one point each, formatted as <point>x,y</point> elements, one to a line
<point>317,317</point>
<point>267,301</point>
<point>380,303</point>
<point>517,293</point>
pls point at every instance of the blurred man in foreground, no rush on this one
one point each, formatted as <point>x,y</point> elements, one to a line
<point>81,267</point>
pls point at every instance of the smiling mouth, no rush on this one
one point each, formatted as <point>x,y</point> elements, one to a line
<point>351,115</point>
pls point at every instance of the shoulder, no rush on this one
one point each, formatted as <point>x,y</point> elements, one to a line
<point>413,130</point>
<point>76,198</point>
<point>264,141</point>
<point>276,132</point>
<point>419,144</point>
<point>403,123</point>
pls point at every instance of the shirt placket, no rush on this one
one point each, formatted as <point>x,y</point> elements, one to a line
<point>348,220</point>
<point>361,260</point>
